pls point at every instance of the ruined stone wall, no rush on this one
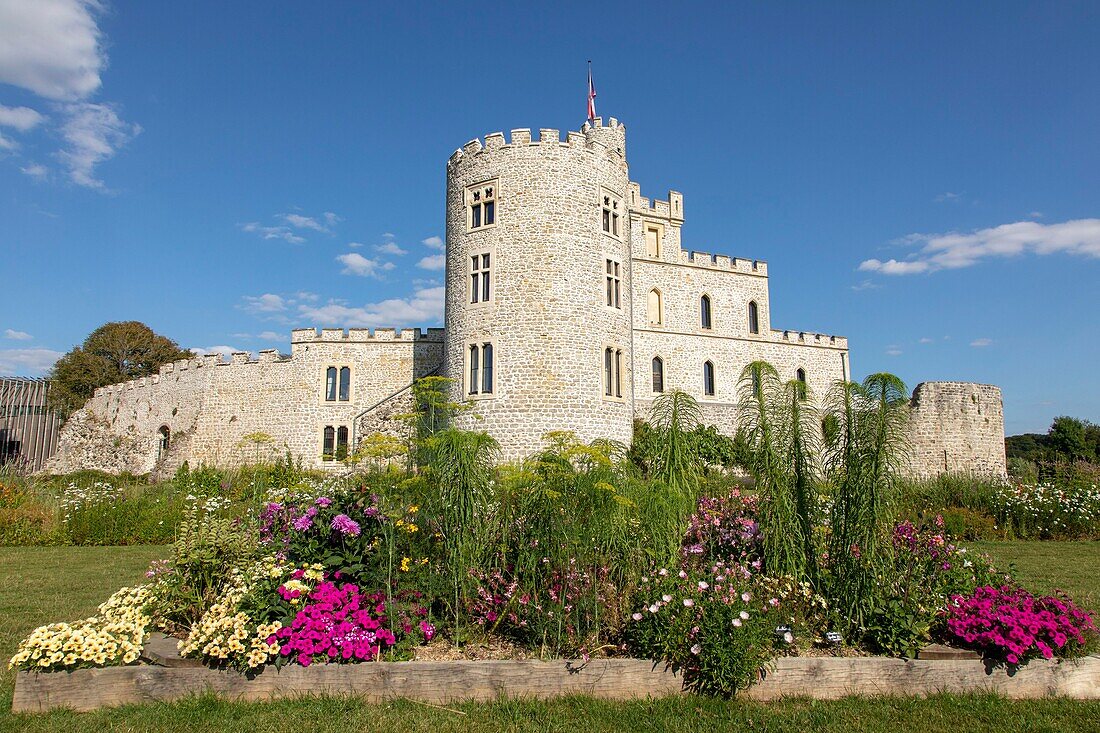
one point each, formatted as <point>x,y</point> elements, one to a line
<point>957,428</point>
<point>209,407</point>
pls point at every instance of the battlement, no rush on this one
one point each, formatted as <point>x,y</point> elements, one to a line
<point>671,210</point>
<point>810,339</point>
<point>724,262</point>
<point>363,335</point>
<point>592,137</point>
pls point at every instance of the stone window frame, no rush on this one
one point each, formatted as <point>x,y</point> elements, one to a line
<point>477,191</point>
<point>612,391</point>
<point>339,367</point>
<point>612,213</point>
<point>652,373</point>
<point>613,283</point>
<point>660,322</point>
<point>337,431</point>
<point>713,393</point>
<point>647,227</point>
<point>481,394</point>
<point>800,376</point>
<point>480,253</point>
<point>754,318</point>
<point>706,316</point>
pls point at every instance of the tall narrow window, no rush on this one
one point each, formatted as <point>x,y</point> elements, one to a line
<point>754,318</point>
<point>165,439</point>
<point>481,205</point>
<point>708,378</point>
<point>330,384</point>
<point>654,308</point>
<point>610,215</point>
<point>480,278</point>
<point>614,284</point>
<point>704,312</point>
<point>800,375</point>
<point>341,443</point>
<point>618,372</point>
<point>487,369</point>
<point>328,444</point>
<point>475,372</point>
<point>345,384</point>
<point>658,374</point>
<point>608,371</point>
<point>652,242</point>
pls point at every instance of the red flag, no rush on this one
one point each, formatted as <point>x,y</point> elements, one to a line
<point>591,95</point>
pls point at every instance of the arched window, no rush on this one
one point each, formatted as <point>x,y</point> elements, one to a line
<point>328,445</point>
<point>330,384</point>
<point>608,371</point>
<point>754,317</point>
<point>800,375</point>
<point>475,371</point>
<point>655,308</point>
<point>345,383</point>
<point>341,443</point>
<point>165,439</point>
<point>487,369</point>
<point>704,312</point>
<point>708,378</point>
<point>658,374</point>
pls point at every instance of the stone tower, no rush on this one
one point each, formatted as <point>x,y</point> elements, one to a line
<point>538,244</point>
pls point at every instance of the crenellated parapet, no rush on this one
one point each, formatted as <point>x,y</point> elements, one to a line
<point>724,262</point>
<point>805,338</point>
<point>671,210</point>
<point>363,335</point>
<point>592,139</point>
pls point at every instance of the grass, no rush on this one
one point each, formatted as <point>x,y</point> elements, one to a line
<point>55,583</point>
<point>1046,566</point>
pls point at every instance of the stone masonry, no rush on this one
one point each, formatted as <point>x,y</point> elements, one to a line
<point>536,229</point>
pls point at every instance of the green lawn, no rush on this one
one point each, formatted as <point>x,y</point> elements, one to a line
<point>50,584</point>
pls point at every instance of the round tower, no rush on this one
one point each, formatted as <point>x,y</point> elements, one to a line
<point>538,334</point>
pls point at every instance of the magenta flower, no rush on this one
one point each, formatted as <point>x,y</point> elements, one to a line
<point>345,525</point>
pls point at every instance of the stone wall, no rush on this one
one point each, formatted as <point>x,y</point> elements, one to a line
<point>209,406</point>
<point>957,428</point>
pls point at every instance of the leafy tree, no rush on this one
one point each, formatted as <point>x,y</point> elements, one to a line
<point>1068,436</point>
<point>114,352</point>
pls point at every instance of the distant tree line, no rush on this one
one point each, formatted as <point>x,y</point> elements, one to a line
<point>1069,439</point>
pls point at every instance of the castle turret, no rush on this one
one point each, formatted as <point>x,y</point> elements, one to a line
<point>538,308</point>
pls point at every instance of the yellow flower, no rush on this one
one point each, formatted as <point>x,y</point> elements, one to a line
<point>405,564</point>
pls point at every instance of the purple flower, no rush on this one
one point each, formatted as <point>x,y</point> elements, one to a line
<point>345,525</point>
<point>324,501</point>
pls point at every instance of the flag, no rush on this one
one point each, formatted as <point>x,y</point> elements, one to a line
<point>591,95</point>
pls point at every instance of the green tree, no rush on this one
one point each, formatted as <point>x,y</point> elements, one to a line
<point>114,352</point>
<point>1068,436</point>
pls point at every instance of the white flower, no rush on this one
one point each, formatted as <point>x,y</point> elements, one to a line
<point>666,598</point>
<point>654,608</point>
<point>746,596</point>
<point>637,617</point>
<point>696,649</point>
<point>662,572</point>
<point>737,622</point>
<point>744,615</point>
<point>788,637</point>
<point>683,574</point>
<point>703,585</point>
<point>688,602</point>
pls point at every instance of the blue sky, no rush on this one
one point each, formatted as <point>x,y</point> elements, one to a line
<point>923,178</point>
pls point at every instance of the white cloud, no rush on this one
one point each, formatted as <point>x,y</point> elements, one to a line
<point>283,233</point>
<point>266,303</point>
<point>225,351</point>
<point>356,264</point>
<point>14,335</point>
<point>19,118</point>
<point>947,196</point>
<point>893,351</point>
<point>433,262</point>
<point>331,219</point>
<point>926,340</point>
<point>94,132</point>
<point>865,285</point>
<point>389,248</point>
<point>51,47</point>
<point>27,362</point>
<point>950,251</point>
<point>893,267</point>
<point>425,306</point>
<point>7,143</point>
<point>271,336</point>
<point>355,245</point>
<point>433,242</point>
<point>36,171</point>
<point>304,222</point>
<point>981,343</point>
<point>1036,214</point>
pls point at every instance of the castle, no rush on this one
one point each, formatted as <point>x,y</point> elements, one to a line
<point>570,304</point>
